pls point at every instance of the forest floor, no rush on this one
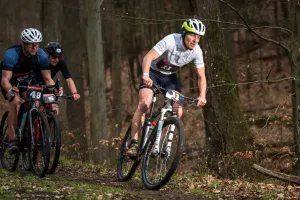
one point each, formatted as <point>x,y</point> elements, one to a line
<point>74,180</point>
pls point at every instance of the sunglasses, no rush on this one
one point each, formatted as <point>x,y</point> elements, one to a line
<point>55,57</point>
<point>32,45</point>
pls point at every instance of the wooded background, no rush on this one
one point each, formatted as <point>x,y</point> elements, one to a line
<point>251,51</point>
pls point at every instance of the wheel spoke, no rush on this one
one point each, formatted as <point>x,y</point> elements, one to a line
<point>158,168</point>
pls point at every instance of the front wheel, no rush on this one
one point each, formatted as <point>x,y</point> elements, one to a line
<point>126,166</point>
<point>8,162</point>
<point>158,168</point>
<point>39,147</point>
<point>55,142</point>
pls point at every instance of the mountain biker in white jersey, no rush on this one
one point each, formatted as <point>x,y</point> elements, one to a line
<point>160,66</point>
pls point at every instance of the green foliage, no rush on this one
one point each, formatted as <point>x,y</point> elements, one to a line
<point>269,196</point>
<point>86,181</point>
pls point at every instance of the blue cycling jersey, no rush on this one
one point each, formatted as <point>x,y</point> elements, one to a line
<point>16,61</point>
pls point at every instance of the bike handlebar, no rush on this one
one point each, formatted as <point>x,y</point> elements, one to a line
<point>187,100</point>
<point>70,97</point>
<point>24,83</point>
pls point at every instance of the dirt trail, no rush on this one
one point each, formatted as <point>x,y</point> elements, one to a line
<point>88,182</point>
<point>80,182</point>
<point>134,186</point>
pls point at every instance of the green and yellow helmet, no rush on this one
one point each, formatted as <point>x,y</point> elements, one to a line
<point>193,26</point>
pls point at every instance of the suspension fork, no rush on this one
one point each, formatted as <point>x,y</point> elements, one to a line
<point>170,136</point>
<point>31,124</point>
<point>164,110</point>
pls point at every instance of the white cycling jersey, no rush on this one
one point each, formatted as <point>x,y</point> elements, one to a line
<point>174,55</point>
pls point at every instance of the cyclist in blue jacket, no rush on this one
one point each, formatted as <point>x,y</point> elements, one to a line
<point>20,61</point>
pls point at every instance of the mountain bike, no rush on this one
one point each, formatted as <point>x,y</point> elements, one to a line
<point>161,144</point>
<point>50,101</point>
<point>32,133</point>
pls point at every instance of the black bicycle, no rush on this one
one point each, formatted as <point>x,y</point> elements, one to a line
<point>32,134</point>
<point>51,101</point>
<point>161,144</point>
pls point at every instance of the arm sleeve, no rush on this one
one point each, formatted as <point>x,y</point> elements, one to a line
<point>10,60</point>
<point>198,60</point>
<point>164,44</point>
<point>65,70</point>
<point>43,60</point>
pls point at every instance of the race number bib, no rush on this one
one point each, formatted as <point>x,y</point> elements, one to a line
<point>164,65</point>
<point>175,96</point>
<point>35,95</point>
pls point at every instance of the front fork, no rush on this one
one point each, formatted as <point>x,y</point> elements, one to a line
<point>167,108</point>
<point>32,131</point>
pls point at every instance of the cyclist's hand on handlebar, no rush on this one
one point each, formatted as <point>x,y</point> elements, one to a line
<point>12,92</point>
<point>201,101</point>
<point>147,81</point>
<point>58,93</point>
<point>76,96</point>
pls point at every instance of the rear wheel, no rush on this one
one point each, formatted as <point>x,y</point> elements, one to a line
<point>158,168</point>
<point>39,147</point>
<point>8,162</point>
<point>126,166</point>
<point>55,142</point>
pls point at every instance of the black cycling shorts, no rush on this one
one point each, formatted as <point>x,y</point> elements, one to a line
<point>167,81</point>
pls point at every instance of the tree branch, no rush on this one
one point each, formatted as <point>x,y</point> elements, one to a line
<point>253,31</point>
<point>277,175</point>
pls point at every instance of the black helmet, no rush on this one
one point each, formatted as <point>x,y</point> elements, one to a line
<point>54,48</point>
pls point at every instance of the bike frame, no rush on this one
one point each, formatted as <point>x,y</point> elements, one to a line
<point>162,111</point>
<point>34,105</point>
<point>35,98</point>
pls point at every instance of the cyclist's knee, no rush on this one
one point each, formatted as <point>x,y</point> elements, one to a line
<point>16,101</point>
<point>143,107</point>
<point>178,109</point>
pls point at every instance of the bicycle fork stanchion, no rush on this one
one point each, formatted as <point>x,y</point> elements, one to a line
<point>147,133</point>
<point>158,136</point>
<point>170,138</point>
<point>31,127</point>
<point>167,108</point>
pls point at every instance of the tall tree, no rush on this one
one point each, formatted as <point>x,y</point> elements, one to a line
<point>51,15</point>
<point>226,131</point>
<point>96,79</point>
<point>116,76</point>
<point>294,56</point>
<point>73,40</point>
<point>51,22</point>
<point>116,71</point>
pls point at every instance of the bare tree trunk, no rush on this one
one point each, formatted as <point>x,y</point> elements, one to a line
<point>294,57</point>
<point>226,131</point>
<point>116,73</point>
<point>97,80</point>
<point>228,36</point>
<point>51,20</point>
<point>73,40</point>
<point>51,15</point>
